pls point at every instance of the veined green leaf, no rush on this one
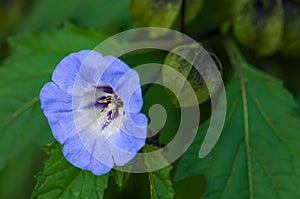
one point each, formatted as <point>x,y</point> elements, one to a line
<point>160,181</point>
<point>258,153</point>
<point>60,179</point>
<point>21,78</point>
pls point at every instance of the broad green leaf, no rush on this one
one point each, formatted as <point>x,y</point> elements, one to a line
<point>298,102</point>
<point>60,179</point>
<point>258,153</point>
<point>158,13</point>
<point>21,78</point>
<point>190,75</point>
<point>101,14</point>
<point>160,181</point>
<point>260,26</point>
<point>192,8</point>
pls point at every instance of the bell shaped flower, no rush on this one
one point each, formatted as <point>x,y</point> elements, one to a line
<point>93,108</point>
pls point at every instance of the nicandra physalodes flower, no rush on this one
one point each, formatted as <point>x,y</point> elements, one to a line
<point>93,108</point>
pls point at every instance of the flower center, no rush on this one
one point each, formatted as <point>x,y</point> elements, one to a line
<point>109,106</point>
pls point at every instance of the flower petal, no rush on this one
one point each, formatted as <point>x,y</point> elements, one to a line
<point>125,144</point>
<point>124,147</point>
<point>129,90</point>
<point>114,70</point>
<point>135,124</point>
<point>93,140</point>
<point>79,156</point>
<point>57,107</point>
<point>86,63</point>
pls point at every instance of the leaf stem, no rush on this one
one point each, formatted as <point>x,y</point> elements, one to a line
<point>235,59</point>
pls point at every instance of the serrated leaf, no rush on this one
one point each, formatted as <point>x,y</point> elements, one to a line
<point>155,13</point>
<point>60,179</point>
<point>119,177</point>
<point>21,78</point>
<point>160,181</point>
<point>191,76</point>
<point>258,153</point>
<point>260,26</point>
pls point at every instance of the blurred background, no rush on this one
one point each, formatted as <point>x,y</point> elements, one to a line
<point>275,49</point>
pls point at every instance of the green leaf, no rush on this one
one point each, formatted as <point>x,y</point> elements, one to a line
<point>21,78</point>
<point>258,153</point>
<point>190,74</point>
<point>192,8</point>
<point>298,102</point>
<point>119,177</point>
<point>160,181</point>
<point>103,14</point>
<point>60,179</point>
<point>260,26</point>
<point>158,13</point>
<point>17,174</point>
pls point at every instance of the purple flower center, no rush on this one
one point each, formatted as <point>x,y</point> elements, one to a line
<point>109,105</point>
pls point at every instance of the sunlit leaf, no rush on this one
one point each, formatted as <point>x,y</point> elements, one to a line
<point>260,25</point>
<point>258,153</point>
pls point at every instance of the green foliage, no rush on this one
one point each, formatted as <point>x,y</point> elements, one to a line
<point>21,78</point>
<point>113,14</point>
<point>18,174</point>
<point>258,152</point>
<point>298,102</point>
<point>60,179</point>
<point>160,182</point>
<point>190,74</point>
<point>260,25</point>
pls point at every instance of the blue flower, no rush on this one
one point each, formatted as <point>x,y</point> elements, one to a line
<point>93,108</point>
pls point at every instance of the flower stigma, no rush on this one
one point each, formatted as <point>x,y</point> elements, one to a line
<point>109,106</point>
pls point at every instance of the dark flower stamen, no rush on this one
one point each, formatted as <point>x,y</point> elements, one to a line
<point>108,104</point>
